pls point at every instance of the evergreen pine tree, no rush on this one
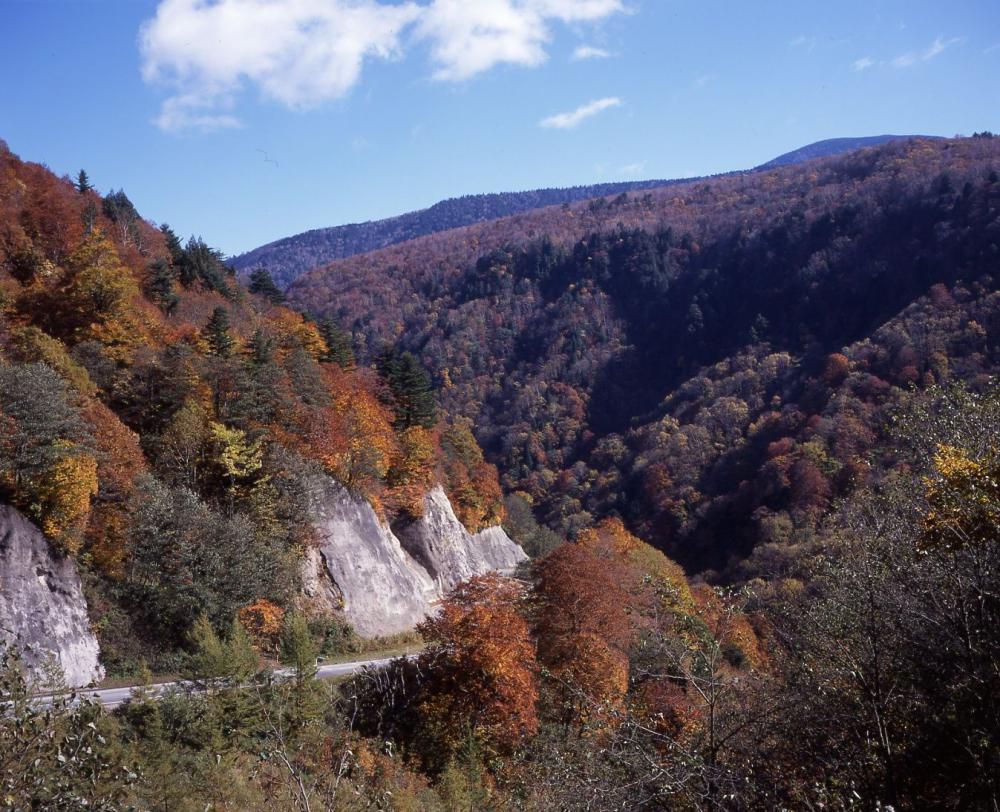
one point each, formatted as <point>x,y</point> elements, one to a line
<point>261,283</point>
<point>216,332</point>
<point>297,647</point>
<point>412,398</point>
<point>243,660</point>
<point>198,262</point>
<point>173,245</point>
<point>387,363</point>
<point>83,184</point>
<point>161,285</point>
<point>339,349</point>
<point>411,386</point>
<point>260,349</point>
<point>208,661</point>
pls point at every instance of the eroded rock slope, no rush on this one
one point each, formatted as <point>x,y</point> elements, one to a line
<point>42,608</point>
<point>387,583</point>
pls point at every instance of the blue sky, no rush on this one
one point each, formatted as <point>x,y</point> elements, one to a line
<point>248,120</point>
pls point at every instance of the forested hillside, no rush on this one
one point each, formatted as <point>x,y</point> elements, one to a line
<point>787,376</point>
<point>164,427</point>
<point>831,147</point>
<point>291,257</point>
<point>713,362</point>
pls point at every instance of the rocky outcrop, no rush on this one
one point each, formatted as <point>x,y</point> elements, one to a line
<point>42,608</point>
<point>448,552</point>
<point>383,590</point>
<point>386,583</point>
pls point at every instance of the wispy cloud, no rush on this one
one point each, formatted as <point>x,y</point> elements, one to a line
<point>936,48</point>
<point>702,81</point>
<point>468,37</point>
<point>567,121</point>
<point>302,53</point>
<point>992,49</point>
<point>632,170</point>
<point>863,64</point>
<point>583,52</point>
<point>802,41</point>
<point>194,112</point>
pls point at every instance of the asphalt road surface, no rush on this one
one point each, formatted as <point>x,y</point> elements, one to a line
<point>113,697</point>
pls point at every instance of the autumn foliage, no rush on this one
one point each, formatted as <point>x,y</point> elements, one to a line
<point>263,622</point>
<point>167,426</point>
<point>588,591</point>
<point>637,356</point>
<point>481,661</point>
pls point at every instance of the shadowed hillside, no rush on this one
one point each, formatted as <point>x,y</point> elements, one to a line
<point>288,258</point>
<point>713,361</point>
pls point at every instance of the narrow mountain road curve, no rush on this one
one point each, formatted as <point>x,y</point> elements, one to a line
<point>113,697</point>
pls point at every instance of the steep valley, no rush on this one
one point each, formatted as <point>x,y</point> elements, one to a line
<point>708,361</point>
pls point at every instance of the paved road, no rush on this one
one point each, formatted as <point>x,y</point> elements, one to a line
<point>113,697</point>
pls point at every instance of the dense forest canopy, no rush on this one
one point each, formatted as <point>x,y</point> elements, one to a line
<point>167,427</point>
<point>291,257</point>
<point>712,362</point>
<point>788,379</point>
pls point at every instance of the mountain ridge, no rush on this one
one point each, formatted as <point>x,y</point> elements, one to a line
<point>580,341</point>
<point>290,257</point>
<point>830,147</point>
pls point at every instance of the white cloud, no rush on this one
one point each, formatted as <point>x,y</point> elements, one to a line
<point>471,37</point>
<point>939,46</point>
<point>863,64</point>
<point>192,112</point>
<point>302,53</point>
<point>583,52</point>
<point>297,52</point>
<point>567,121</point>
<point>632,170</point>
<point>802,41</point>
<point>702,81</point>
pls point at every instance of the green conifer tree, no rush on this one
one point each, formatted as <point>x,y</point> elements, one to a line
<point>83,184</point>
<point>262,284</point>
<point>161,286</point>
<point>220,340</point>
<point>339,349</point>
<point>410,386</point>
<point>297,647</point>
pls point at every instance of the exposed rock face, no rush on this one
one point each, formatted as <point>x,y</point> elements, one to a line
<point>42,608</point>
<point>321,594</point>
<point>384,590</point>
<point>382,585</point>
<point>448,552</point>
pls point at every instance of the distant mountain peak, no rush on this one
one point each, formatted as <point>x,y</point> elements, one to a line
<point>289,258</point>
<point>834,146</point>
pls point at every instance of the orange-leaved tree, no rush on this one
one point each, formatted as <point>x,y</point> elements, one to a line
<point>412,473</point>
<point>263,622</point>
<point>481,668</point>
<point>588,593</point>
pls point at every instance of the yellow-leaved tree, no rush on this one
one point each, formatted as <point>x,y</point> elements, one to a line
<point>964,501</point>
<point>64,495</point>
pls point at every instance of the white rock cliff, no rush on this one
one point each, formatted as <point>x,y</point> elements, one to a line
<point>42,608</point>
<point>384,582</point>
<point>387,583</point>
<point>449,553</point>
